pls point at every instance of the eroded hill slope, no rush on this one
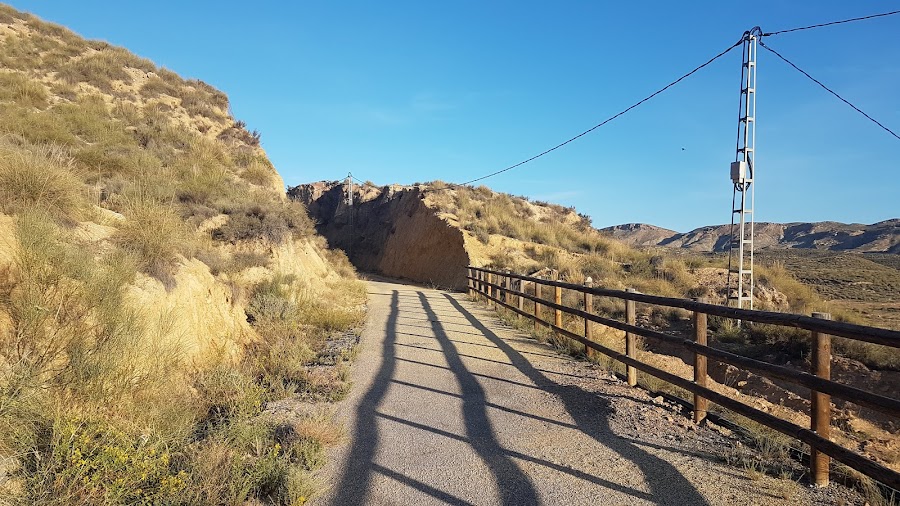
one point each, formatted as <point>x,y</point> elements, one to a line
<point>157,289</point>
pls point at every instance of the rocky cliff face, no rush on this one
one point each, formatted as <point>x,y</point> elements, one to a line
<point>881,237</point>
<point>388,230</point>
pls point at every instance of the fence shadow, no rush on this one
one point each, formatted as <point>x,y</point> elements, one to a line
<point>513,484</point>
<point>590,413</point>
<point>357,472</point>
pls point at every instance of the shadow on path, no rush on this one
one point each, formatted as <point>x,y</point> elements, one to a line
<point>589,411</point>
<point>356,475</point>
<point>513,484</point>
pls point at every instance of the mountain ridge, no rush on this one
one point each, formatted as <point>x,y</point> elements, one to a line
<point>879,237</point>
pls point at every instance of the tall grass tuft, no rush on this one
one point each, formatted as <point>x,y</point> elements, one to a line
<point>18,88</point>
<point>42,178</point>
<point>156,235</point>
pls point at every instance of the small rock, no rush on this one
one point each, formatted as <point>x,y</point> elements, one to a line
<point>658,399</point>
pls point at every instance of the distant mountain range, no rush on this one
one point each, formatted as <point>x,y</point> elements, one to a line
<point>881,237</point>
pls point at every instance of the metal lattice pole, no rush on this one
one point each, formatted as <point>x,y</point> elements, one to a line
<point>350,210</point>
<point>743,171</point>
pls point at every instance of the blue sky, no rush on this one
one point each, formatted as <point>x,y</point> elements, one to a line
<point>406,91</point>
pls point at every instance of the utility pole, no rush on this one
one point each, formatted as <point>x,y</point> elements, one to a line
<point>743,172</point>
<point>350,210</point>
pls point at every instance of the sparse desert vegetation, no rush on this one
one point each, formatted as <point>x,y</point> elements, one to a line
<point>157,291</point>
<point>513,233</point>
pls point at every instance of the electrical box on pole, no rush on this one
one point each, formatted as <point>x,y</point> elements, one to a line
<point>743,174</point>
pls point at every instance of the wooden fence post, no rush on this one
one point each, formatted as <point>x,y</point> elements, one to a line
<point>557,298</point>
<point>537,307</point>
<point>701,404</point>
<point>820,408</point>
<point>521,299</point>
<point>490,290</point>
<point>589,325</point>
<point>630,371</point>
<point>469,283</point>
<point>508,286</point>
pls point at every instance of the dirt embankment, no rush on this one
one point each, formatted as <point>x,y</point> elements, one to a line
<point>388,230</point>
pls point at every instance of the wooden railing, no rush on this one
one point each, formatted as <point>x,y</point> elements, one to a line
<point>499,287</point>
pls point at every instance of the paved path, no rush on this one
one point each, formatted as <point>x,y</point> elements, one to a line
<point>449,406</point>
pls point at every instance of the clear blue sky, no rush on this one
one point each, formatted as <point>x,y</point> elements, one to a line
<point>406,91</point>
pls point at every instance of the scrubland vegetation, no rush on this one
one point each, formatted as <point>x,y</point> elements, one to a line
<point>116,177</point>
<point>549,236</point>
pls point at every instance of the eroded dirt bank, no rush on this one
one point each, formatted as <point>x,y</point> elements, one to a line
<point>389,230</point>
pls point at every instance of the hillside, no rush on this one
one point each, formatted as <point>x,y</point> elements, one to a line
<point>430,232</point>
<point>881,237</point>
<point>157,289</point>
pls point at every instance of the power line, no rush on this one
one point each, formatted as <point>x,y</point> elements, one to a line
<point>820,25</point>
<point>829,90</point>
<point>598,125</point>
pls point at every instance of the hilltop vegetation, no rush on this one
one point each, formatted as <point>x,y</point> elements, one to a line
<point>508,232</point>
<point>156,288</point>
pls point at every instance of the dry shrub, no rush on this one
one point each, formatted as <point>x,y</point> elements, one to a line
<point>801,298</point>
<point>100,69</point>
<point>37,127</point>
<point>20,89</point>
<point>90,120</point>
<point>341,264</point>
<point>156,86</point>
<point>258,173</point>
<point>8,15</point>
<point>198,103</point>
<point>263,218</point>
<point>42,178</point>
<point>156,235</point>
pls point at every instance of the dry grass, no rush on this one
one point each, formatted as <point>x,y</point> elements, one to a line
<point>98,401</point>
<point>258,173</point>
<point>18,88</point>
<point>41,178</point>
<point>263,218</point>
<point>156,235</point>
<point>101,69</point>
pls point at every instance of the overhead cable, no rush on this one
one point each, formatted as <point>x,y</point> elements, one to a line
<point>829,90</point>
<point>598,125</point>
<point>820,25</point>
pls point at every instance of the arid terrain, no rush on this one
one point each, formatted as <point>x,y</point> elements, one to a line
<point>509,232</point>
<point>158,292</point>
<point>881,237</point>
